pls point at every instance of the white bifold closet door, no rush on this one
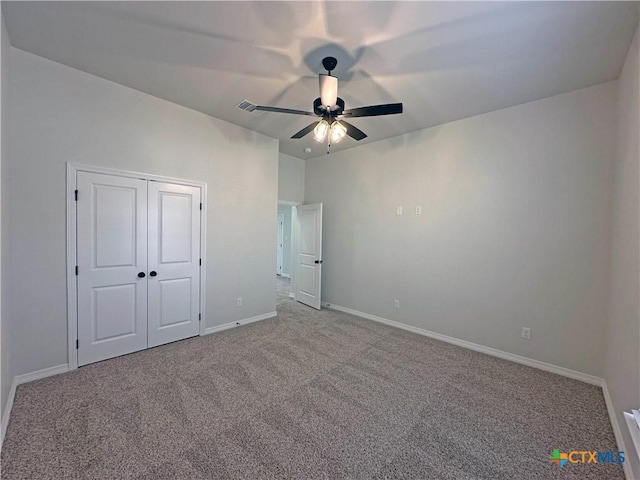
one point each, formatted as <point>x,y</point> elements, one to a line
<point>174,255</point>
<point>138,261</point>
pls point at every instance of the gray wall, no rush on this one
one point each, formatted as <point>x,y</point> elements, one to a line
<point>622,354</point>
<point>290,179</point>
<point>514,230</point>
<point>60,114</point>
<point>5,370</point>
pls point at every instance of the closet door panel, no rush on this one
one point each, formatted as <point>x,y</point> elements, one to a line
<point>112,252</point>
<point>174,262</point>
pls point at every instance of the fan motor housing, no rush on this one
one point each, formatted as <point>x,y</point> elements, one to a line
<point>320,110</point>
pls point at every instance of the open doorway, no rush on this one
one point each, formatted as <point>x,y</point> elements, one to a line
<point>284,250</point>
<point>299,267</point>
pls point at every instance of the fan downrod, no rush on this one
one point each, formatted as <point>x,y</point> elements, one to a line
<point>329,63</point>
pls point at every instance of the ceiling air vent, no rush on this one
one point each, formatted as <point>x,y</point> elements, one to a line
<point>246,105</point>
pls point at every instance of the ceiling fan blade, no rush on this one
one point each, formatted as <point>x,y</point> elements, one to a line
<point>353,132</point>
<point>264,108</point>
<point>306,130</point>
<point>374,110</point>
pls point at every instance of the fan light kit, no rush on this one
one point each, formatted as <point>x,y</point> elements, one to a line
<point>331,108</point>
<point>336,130</point>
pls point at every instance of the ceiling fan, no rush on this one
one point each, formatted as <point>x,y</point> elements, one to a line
<point>330,108</point>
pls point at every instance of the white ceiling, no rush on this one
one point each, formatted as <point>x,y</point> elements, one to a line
<point>444,60</point>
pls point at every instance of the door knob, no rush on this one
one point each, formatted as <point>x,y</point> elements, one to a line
<point>153,273</point>
<point>318,261</point>
<point>141,275</point>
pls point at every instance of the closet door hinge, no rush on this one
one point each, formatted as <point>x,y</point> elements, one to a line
<point>77,344</point>
<point>199,317</point>
<point>75,194</point>
<point>76,269</point>
<point>200,262</point>
<point>200,205</point>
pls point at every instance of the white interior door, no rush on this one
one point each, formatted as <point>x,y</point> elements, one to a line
<point>309,262</point>
<point>280,244</point>
<point>112,253</point>
<point>174,262</point>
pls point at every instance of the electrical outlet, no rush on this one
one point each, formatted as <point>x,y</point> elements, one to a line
<point>526,333</point>
<point>239,302</point>
<point>396,304</point>
<point>418,210</point>
<point>399,211</point>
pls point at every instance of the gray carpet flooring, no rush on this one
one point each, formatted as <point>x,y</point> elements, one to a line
<point>305,395</point>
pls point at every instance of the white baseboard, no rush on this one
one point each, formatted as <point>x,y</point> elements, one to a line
<point>7,411</point>
<point>44,373</point>
<point>617,433</point>
<point>584,377</point>
<point>632,425</point>
<point>238,323</point>
<point>19,380</point>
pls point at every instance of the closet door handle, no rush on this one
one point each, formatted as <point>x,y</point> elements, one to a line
<point>153,273</point>
<point>141,275</point>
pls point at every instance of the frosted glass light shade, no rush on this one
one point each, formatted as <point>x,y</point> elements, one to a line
<point>320,132</point>
<point>328,91</point>
<point>337,132</point>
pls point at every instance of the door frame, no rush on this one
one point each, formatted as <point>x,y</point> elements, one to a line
<point>280,247</point>
<point>72,247</point>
